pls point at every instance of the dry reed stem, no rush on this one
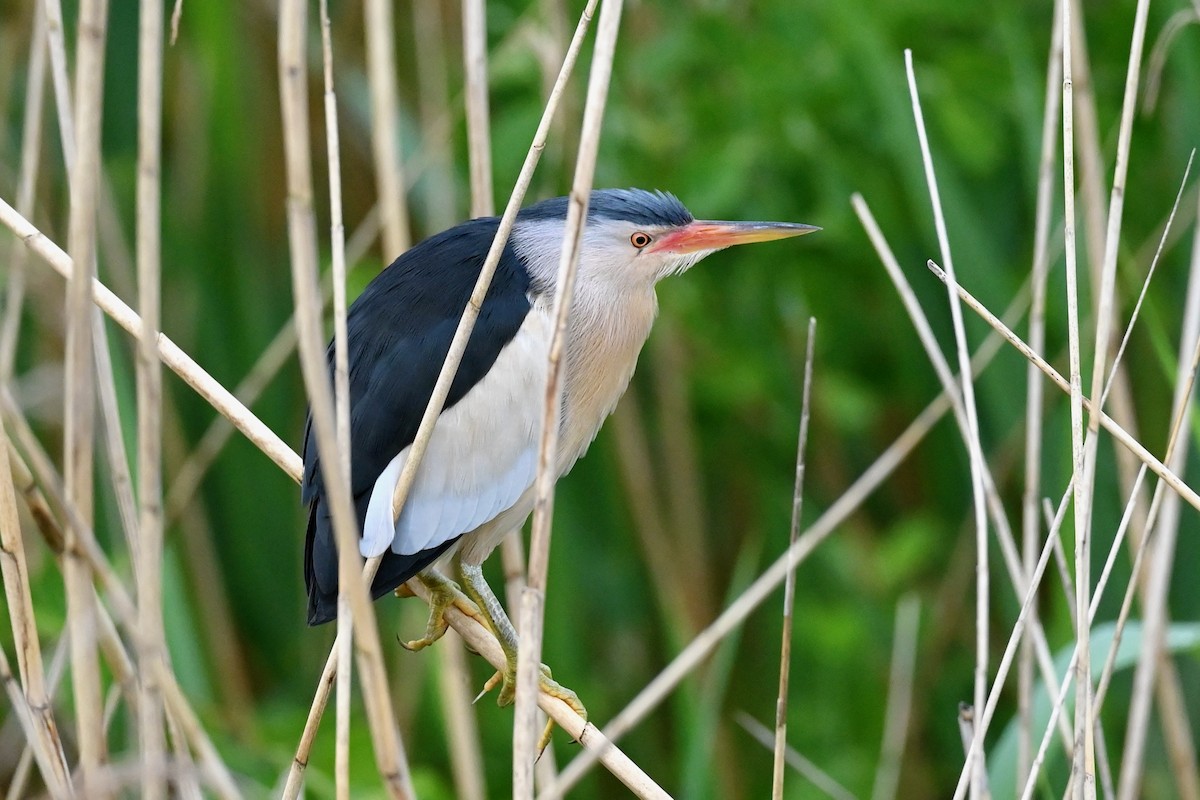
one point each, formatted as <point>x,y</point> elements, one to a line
<point>341,388</point>
<point>44,735</point>
<point>176,18</point>
<point>533,596</point>
<point>170,353</point>
<point>446,376</point>
<point>1004,536</point>
<point>462,729</point>
<point>79,409</point>
<point>1120,434</point>
<point>899,702</point>
<point>1105,276</point>
<point>1083,762</point>
<point>474,25</point>
<point>1054,541</point>
<point>433,101</point>
<point>148,576</point>
<point>815,775</point>
<point>699,647</point>
<point>31,148</point>
<point>1177,733</point>
<point>83,546</point>
<point>385,131</point>
<point>295,777</point>
<point>587,735</point>
<point>981,717</point>
<point>46,750</point>
<point>971,433</point>
<point>1105,312</point>
<point>1035,389</point>
<point>1128,598</point>
<point>789,585</point>
<point>1084,767</point>
<point>1154,607</point>
<point>56,40</point>
<point>1183,392</point>
<point>389,752</point>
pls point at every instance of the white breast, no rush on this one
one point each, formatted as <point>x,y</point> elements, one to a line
<point>481,457</point>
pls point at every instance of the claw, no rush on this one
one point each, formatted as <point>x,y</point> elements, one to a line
<point>443,594</point>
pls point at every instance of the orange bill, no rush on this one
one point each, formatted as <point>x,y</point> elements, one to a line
<point>711,235</point>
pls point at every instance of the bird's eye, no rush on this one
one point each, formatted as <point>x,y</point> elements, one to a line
<point>640,239</point>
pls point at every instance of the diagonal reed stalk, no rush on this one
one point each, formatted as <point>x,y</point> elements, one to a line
<point>533,596</point>
<point>699,648</point>
<point>81,544</point>
<point>1116,431</point>
<point>1018,577</point>
<point>44,735</point>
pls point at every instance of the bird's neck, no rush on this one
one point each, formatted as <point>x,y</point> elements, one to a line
<point>605,337</point>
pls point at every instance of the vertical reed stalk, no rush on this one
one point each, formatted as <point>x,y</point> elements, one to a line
<point>347,566</point>
<point>151,644</point>
<point>1083,767</point>
<point>1035,389</point>
<point>79,411</point>
<point>385,129</point>
<point>389,753</point>
<point>789,586</point>
<point>430,48</point>
<point>974,445</point>
<point>478,124</point>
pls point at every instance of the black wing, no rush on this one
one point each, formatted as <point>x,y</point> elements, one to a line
<point>400,330</point>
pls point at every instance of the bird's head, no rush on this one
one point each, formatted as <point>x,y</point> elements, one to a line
<point>635,237</point>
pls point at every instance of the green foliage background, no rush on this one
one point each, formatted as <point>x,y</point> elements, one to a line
<point>773,109</point>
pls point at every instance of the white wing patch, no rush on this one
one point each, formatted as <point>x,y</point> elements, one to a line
<point>481,458</point>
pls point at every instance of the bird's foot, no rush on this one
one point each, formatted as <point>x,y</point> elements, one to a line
<point>506,679</point>
<point>471,578</point>
<point>444,594</point>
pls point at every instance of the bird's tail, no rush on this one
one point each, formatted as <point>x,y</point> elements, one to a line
<point>321,563</point>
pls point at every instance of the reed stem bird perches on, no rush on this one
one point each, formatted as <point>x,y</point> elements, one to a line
<point>476,482</point>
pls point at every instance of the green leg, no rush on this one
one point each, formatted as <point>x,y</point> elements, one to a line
<point>470,577</point>
<point>443,594</point>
